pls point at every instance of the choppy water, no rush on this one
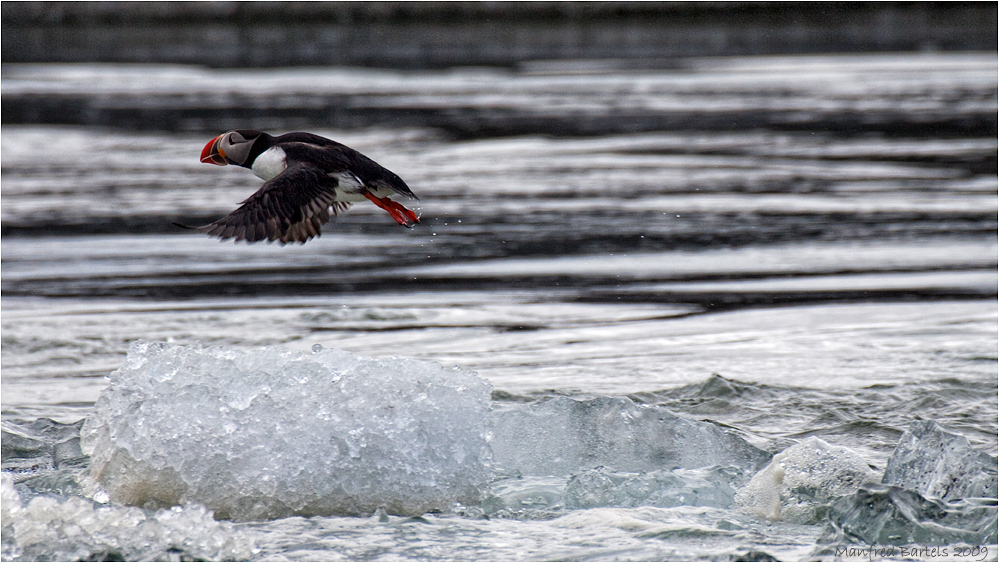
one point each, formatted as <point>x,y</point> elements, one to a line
<point>820,232</point>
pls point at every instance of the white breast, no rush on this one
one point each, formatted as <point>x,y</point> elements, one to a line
<point>270,163</point>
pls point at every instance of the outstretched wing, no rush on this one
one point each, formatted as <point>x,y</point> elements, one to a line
<point>291,207</point>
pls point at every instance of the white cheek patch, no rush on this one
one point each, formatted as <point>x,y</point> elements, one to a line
<point>270,163</point>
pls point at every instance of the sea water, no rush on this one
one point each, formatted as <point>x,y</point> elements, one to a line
<point>330,455</point>
<point>774,340</point>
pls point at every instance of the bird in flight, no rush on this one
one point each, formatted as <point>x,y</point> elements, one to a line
<point>306,178</point>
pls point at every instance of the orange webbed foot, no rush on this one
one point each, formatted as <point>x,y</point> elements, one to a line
<point>403,216</point>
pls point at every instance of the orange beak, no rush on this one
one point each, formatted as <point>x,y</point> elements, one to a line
<point>211,154</point>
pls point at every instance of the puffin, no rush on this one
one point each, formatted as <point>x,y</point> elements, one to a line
<point>306,178</point>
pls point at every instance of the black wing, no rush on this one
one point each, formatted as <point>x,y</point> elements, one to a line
<point>333,157</point>
<point>291,207</point>
<point>375,175</point>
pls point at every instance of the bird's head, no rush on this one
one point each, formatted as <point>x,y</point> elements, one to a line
<point>234,147</point>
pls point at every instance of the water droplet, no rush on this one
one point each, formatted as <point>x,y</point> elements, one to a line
<point>316,348</point>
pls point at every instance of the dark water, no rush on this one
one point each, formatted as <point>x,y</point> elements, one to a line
<point>819,231</point>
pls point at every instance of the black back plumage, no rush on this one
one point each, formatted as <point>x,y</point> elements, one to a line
<point>334,157</point>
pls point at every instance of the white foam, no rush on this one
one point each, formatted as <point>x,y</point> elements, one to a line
<point>268,433</point>
<point>801,481</point>
<point>74,529</point>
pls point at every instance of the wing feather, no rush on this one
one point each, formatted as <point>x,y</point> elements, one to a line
<point>291,207</point>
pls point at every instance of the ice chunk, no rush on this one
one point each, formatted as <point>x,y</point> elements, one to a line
<point>43,455</point>
<point>535,497</point>
<point>40,448</point>
<point>939,464</point>
<point>800,482</point>
<point>50,529</point>
<point>16,443</point>
<point>598,487</point>
<point>886,515</point>
<point>560,436</point>
<point>270,432</point>
<point>526,498</point>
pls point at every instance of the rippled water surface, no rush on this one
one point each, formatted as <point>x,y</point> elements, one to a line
<point>820,232</point>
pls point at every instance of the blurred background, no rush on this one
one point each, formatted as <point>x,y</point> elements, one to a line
<point>434,35</point>
<point>528,38</point>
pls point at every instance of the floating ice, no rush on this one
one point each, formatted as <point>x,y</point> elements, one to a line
<point>40,449</point>
<point>562,436</point>
<point>939,464</point>
<point>800,482</point>
<point>51,529</point>
<point>527,498</point>
<point>269,433</point>
<point>598,487</point>
<point>885,515</point>
<point>535,497</point>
